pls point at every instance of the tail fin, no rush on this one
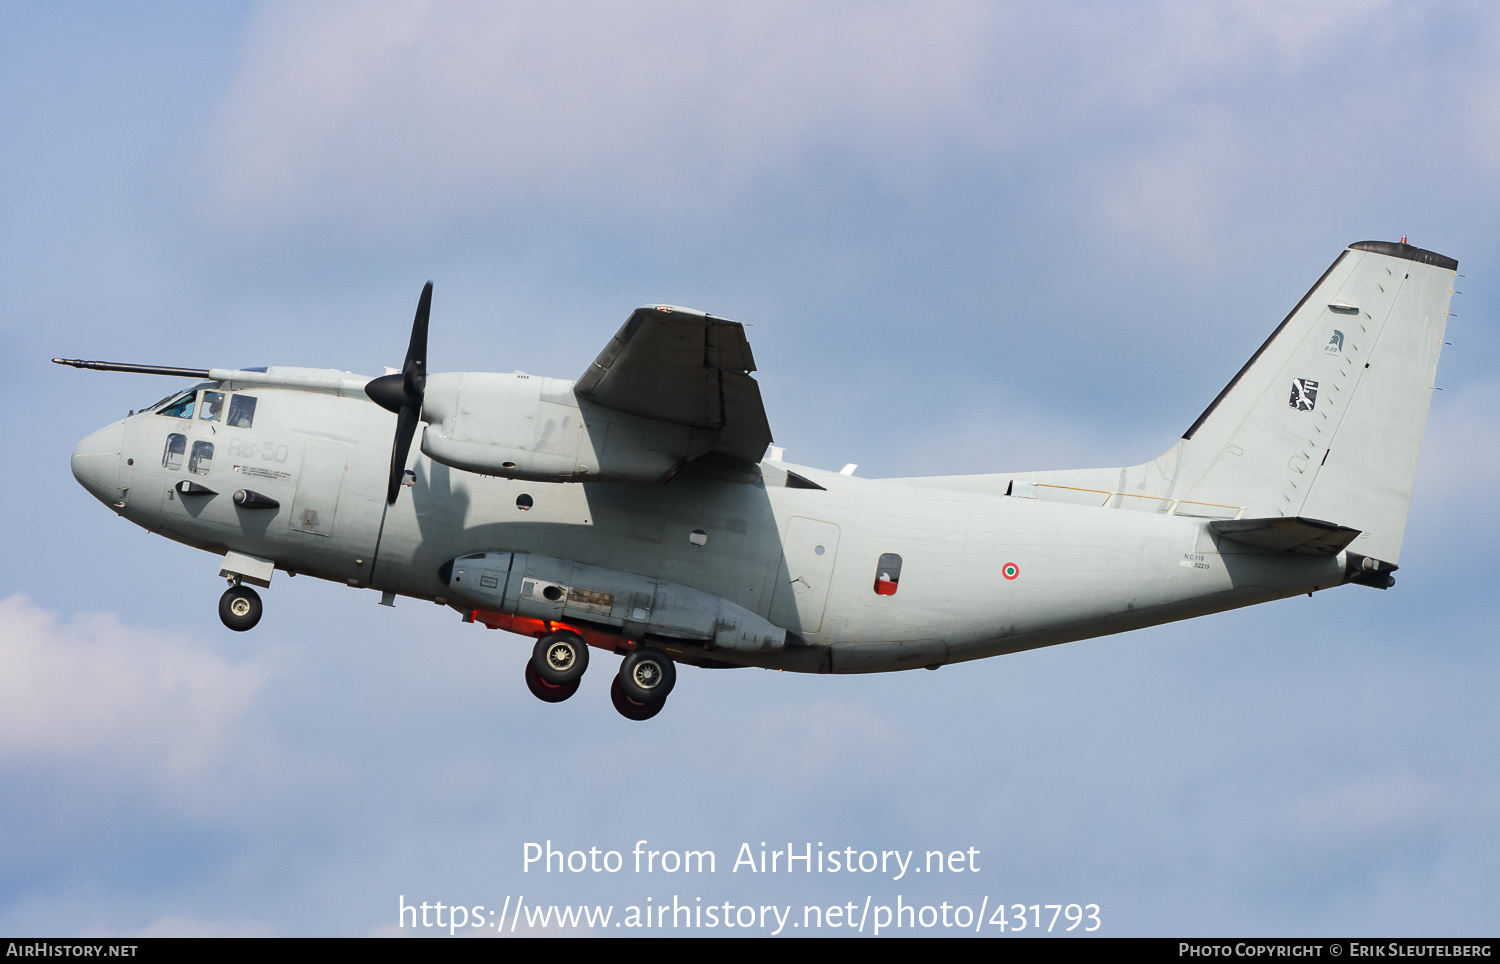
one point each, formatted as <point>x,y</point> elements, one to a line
<point>1325,421</point>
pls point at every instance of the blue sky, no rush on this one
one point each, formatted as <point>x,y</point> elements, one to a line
<point>980,238</point>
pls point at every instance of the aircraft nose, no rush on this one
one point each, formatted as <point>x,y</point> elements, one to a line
<point>96,462</point>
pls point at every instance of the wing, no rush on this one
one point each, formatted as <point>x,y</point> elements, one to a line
<point>685,367</point>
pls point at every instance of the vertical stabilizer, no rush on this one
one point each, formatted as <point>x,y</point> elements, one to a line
<point>1325,421</point>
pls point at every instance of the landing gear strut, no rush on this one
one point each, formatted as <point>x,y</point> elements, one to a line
<point>239,608</point>
<point>640,689</point>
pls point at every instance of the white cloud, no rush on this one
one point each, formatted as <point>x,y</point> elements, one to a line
<point>96,689</point>
<point>1174,45</point>
<point>624,104</point>
<point>364,116</point>
<point>1172,197</point>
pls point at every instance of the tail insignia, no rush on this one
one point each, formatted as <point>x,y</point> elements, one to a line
<point>1304,394</point>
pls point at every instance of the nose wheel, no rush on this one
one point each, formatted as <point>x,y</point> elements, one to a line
<point>240,608</point>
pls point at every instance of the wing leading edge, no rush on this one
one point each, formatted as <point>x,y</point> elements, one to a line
<point>686,367</point>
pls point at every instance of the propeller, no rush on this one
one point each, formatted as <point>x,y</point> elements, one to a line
<point>402,393</point>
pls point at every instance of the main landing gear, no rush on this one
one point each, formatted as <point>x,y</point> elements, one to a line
<point>545,691</point>
<point>628,707</point>
<point>240,608</point>
<point>638,691</point>
<point>556,666</point>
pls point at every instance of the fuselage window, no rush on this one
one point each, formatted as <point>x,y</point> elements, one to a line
<point>171,456</point>
<point>241,411</point>
<point>212,407</point>
<point>887,574</point>
<point>202,461</point>
<point>181,408</point>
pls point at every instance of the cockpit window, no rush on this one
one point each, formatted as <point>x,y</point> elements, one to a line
<point>212,406</point>
<point>241,411</point>
<point>180,407</point>
<point>171,456</point>
<point>202,461</point>
<point>158,403</point>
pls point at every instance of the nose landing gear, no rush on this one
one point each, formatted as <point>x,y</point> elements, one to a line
<point>240,608</point>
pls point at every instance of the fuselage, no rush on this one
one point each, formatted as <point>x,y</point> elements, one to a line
<point>871,574</point>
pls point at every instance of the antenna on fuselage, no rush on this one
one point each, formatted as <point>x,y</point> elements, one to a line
<point>105,366</point>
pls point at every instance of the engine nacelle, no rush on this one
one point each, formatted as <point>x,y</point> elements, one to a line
<point>541,587</point>
<point>523,427</point>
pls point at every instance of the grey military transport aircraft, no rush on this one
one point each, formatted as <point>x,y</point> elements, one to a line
<point>638,510</point>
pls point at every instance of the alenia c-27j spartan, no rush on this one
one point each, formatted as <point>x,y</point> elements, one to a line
<point>636,509</point>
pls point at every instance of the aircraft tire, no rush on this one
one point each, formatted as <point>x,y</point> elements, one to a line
<point>545,691</point>
<point>240,608</point>
<point>628,707</point>
<point>647,675</point>
<point>560,658</point>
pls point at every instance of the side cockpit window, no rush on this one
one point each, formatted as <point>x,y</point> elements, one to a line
<point>887,574</point>
<point>242,411</point>
<point>212,406</point>
<point>202,461</point>
<point>171,456</point>
<point>180,407</point>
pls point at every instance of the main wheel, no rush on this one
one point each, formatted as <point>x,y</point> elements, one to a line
<point>647,675</point>
<point>239,608</point>
<point>628,707</point>
<point>545,691</point>
<point>560,658</point>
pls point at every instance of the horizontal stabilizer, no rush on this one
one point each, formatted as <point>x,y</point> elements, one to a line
<point>1310,536</point>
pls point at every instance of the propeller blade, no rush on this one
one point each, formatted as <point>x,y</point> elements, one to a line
<point>414,371</point>
<point>406,427</point>
<point>403,393</point>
